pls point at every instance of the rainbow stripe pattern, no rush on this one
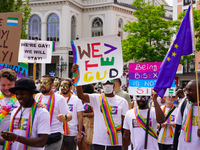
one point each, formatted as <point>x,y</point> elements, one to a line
<point>142,123</point>
<point>50,104</point>
<point>187,123</point>
<point>108,120</point>
<point>7,144</point>
<point>66,125</point>
<point>118,129</point>
<point>171,133</point>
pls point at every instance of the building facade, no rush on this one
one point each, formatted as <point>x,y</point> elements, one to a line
<point>65,20</point>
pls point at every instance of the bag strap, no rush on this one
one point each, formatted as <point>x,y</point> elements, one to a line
<point>183,107</point>
<point>167,117</point>
<point>147,128</point>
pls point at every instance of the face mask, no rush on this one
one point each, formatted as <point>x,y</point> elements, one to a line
<point>45,83</point>
<point>108,88</point>
<point>64,86</point>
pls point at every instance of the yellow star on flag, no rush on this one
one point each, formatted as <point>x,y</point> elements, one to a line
<point>176,46</point>
<point>168,58</point>
<point>174,54</point>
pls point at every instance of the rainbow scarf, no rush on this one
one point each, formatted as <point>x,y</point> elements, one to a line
<point>108,120</point>
<point>9,105</point>
<point>7,144</point>
<point>142,123</point>
<point>50,104</point>
<point>171,133</point>
<point>66,125</point>
<point>187,123</point>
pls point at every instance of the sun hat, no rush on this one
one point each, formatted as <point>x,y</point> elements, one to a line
<point>24,84</point>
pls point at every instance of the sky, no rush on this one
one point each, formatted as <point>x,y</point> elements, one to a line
<point>170,2</point>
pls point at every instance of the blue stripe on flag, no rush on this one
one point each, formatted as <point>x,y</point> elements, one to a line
<point>12,24</point>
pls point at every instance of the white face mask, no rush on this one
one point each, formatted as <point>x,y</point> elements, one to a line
<point>108,88</point>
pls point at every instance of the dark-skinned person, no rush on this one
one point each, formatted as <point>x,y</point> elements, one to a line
<point>187,133</point>
<point>135,124</point>
<point>29,125</point>
<point>109,111</point>
<point>72,129</point>
<point>58,109</point>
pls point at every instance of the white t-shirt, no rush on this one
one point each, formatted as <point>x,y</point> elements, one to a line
<point>41,125</point>
<point>195,140</point>
<point>137,133</point>
<point>119,107</point>
<point>168,140</point>
<point>75,105</point>
<point>59,108</point>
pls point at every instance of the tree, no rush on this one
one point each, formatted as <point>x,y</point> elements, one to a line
<point>150,36</point>
<point>17,6</point>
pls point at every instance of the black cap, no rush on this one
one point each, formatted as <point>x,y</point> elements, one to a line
<point>24,84</point>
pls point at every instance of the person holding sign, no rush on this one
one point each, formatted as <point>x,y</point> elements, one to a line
<point>8,101</point>
<point>187,121</point>
<point>166,130</point>
<point>29,125</point>
<point>58,109</point>
<point>73,128</point>
<point>109,111</point>
<point>140,124</point>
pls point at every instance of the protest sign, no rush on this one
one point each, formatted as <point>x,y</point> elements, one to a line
<point>31,51</point>
<point>10,33</point>
<point>21,70</point>
<point>142,78</point>
<point>99,59</point>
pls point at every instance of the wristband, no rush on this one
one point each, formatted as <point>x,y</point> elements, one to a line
<point>14,140</point>
<point>65,117</point>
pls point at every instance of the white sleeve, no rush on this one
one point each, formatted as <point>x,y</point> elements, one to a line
<point>125,107</point>
<point>179,117</point>
<point>79,105</point>
<point>43,122</point>
<point>62,106</point>
<point>92,98</point>
<point>126,124</point>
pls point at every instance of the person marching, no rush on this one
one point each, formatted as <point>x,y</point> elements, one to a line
<point>29,125</point>
<point>109,111</point>
<point>140,124</point>
<point>73,128</point>
<point>58,109</point>
<point>8,101</point>
<point>166,134</point>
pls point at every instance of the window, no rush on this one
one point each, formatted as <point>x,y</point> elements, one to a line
<point>187,2</point>
<point>120,26</point>
<point>73,28</point>
<point>97,27</point>
<point>53,28</point>
<point>34,28</point>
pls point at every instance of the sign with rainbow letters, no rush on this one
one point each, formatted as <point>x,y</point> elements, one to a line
<point>99,59</point>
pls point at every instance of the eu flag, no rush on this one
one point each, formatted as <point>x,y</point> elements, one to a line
<point>182,45</point>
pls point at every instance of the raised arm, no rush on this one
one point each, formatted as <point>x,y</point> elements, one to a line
<point>160,117</point>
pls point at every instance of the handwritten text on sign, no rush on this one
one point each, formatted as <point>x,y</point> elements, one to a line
<point>98,58</point>
<point>142,77</point>
<point>10,32</point>
<point>35,51</point>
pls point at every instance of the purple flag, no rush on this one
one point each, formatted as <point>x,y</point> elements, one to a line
<point>182,45</point>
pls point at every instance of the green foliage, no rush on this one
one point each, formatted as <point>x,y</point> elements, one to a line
<point>148,38</point>
<point>16,6</point>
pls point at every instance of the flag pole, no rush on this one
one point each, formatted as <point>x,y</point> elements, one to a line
<point>196,65</point>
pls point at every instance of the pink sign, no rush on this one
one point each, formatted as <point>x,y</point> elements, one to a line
<point>144,67</point>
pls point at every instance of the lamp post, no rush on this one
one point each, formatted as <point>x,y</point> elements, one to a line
<point>62,66</point>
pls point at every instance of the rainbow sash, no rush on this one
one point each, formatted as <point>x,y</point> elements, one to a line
<point>50,104</point>
<point>108,120</point>
<point>171,133</point>
<point>187,123</point>
<point>66,125</point>
<point>7,144</point>
<point>142,123</point>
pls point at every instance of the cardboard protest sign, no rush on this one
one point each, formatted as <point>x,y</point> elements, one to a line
<point>10,33</point>
<point>99,59</point>
<point>142,78</point>
<point>21,70</point>
<point>35,51</point>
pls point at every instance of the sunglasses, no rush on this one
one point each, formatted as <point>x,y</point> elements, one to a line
<point>45,83</point>
<point>143,98</point>
<point>110,82</point>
